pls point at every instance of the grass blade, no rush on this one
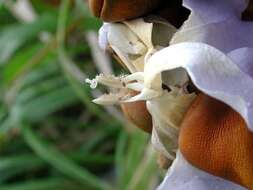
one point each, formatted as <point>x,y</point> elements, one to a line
<point>15,36</point>
<point>47,184</point>
<point>61,163</point>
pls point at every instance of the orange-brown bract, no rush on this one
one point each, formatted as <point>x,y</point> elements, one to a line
<point>118,10</point>
<point>215,138</point>
<point>138,114</point>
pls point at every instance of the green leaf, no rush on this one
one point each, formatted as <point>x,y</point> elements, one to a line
<point>8,174</point>
<point>40,107</point>
<point>136,162</point>
<point>41,88</point>
<point>18,61</point>
<point>61,162</point>
<point>120,157</point>
<point>1,3</point>
<point>46,184</point>
<point>145,174</point>
<point>15,36</point>
<point>45,71</point>
<point>21,161</point>
<point>133,156</point>
<point>13,165</point>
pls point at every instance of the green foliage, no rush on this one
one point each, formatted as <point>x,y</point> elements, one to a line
<point>15,36</point>
<point>51,135</point>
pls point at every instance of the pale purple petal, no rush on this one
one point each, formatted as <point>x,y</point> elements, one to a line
<point>103,36</point>
<point>183,176</point>
<point>216,23</point>
<point>212,71</point>
<point>216,10</point>
<point>243,57</point>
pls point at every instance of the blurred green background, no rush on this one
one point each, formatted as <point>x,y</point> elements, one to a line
<point>51,135</point>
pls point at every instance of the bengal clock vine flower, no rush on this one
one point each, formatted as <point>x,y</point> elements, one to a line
<point>209,130</point>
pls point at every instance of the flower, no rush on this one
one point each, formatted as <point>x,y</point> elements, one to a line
<point>212,50</point>
<point>123,39</point>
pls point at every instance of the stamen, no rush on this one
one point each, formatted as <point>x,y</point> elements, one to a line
<point>111,99</point>
<point>138,76</point>
<point>110,81</point>
<point>93,83</point>
<point>107,99</point>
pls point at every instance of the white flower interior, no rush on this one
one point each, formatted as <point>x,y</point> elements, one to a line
<point>165,95</point>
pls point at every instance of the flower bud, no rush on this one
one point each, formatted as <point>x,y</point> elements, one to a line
<point>138,114</point>
<point>119,10</point>
<point>215,138</point>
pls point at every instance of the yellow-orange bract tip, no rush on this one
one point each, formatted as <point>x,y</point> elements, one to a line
<point>215,138</point>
